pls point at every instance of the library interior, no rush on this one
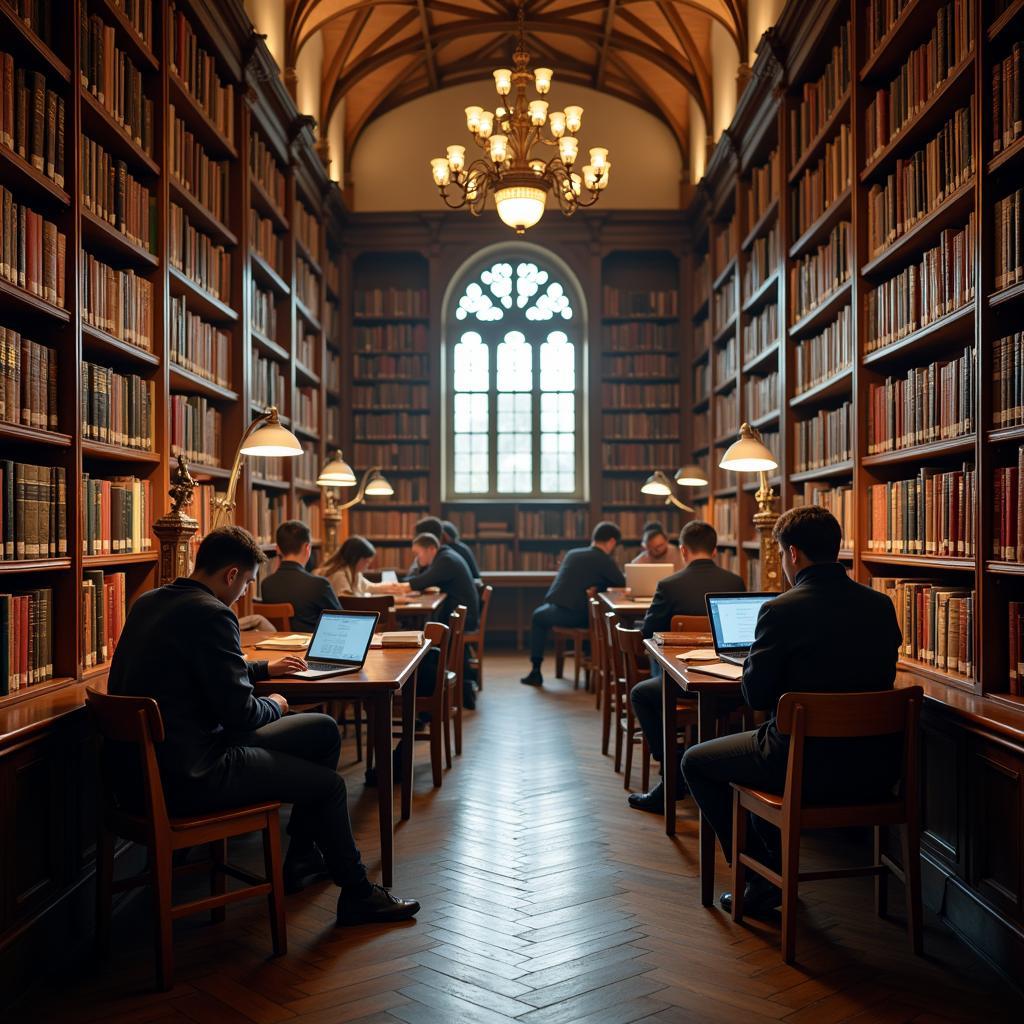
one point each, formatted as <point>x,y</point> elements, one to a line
<point>534,594</point>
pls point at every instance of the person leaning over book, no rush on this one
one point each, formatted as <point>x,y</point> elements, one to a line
<point>433,526</point>
<point>308,595</point>
<point>682,593</point>
<point>224,746</point>
<point>565,603</point>
<point>827,634</point>
<point>656,549</point>
<point>344,569</point>
<point>450,536</point>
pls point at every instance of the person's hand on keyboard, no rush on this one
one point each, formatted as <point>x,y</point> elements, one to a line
<point>286,666</point>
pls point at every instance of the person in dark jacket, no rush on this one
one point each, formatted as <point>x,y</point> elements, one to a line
<point>308,595</point>
<point>682,593</point>
<point>827,634</point>
<point>224,746</point>
<point>565,603</point>
<point>450,536</point>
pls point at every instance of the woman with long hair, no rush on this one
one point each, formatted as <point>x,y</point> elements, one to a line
<point>346,566</point>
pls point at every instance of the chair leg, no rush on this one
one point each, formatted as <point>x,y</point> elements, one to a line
<point>645,766</point>
<point>449,724</point>
<point>577,657</point>
<point>606,713</point>
<point>458,728</point>
<point>629,739</point>
<point>369,734</point>
<point>162,873</point>
<point>881,879</point>
<point>559,656</point>
<point>912,879</point>
<point>218,880</point>
<point>617,716</point>
<point>790,873</point>
<point>274,871</point>
<point>435,748</point>
<point>104,889</point>
<point>739,844</point>
<point>357,723</point>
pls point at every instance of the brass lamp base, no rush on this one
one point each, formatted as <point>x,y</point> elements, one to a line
<point>765,519</point>
<point>175,530</point>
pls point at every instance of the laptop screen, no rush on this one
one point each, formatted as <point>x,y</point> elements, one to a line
<point>733,618</point>
<point>342,636</point>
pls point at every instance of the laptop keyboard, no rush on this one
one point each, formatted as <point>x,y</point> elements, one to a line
<point>322,666</point>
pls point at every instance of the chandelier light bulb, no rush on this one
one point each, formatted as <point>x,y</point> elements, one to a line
<point>457,158</point>
<point>568,147</point>
<point>486,124</point>
<point>472,187</point>
<point>557,121</point>
<point>577,184</point>
<point>538,112</point>
<point>542,79</point>
<point>598,158</point>
<point>590,177</point>
<point>499,148</point>
<point>602,181</point>
<point>441,171</point>
<point>503,81</point>
<point>473,118</point>
<point>537,166</point>
<point>573,118</point>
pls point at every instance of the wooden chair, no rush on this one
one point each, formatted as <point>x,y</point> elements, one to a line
<point>597,649</point>
<point>577,636</point>
<point>475,637</point>
<point>454,679</point>
<point>631,647</point>
<point>612,671</point>
<point>279,615</point>
<point>137,720</point>
<point>835,715</point>
<point>690,624</point>
<point>434,704</point>
<point>383,604</point>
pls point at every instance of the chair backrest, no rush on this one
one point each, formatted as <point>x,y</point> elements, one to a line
<point>690,624</point>
<point>597,641</point>
<point>136,721</point>
<point>485,602</point>
<point>457,644</point>
<point>279,615</point>
<point>613,655</point>
<point>382,604</point>
<point>631,643</point>
<point>439,636</point>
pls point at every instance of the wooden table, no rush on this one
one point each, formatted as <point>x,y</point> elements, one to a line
<point>385,673</point>
<point>623,604</point>
<point>710,692</point>
<point>421,606</point>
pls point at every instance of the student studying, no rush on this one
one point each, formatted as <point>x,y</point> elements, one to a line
<point>293,583</point>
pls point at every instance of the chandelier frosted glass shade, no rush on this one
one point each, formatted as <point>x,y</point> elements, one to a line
<point>520,206</point>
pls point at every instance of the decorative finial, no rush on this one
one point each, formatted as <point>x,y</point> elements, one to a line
<point>182,486</point>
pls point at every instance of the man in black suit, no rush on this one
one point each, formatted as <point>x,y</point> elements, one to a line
<point>565,603</point>
<point>682,593</point>
<point>308,595</point>
<point>450,536</point>
<point>826,634</point>
<point>225,747</point>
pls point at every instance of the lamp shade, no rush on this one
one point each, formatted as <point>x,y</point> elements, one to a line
<point>656,484</point>
<point>691,476</point>
<point>748,454</point>
<point>378,486</point>
<point>520,206</point>
<point>271,439</point>
<point>336,473</point>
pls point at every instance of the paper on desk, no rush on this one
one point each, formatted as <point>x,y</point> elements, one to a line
<point>725,670</point>
<point>291,642</point>
<point>700,654</point>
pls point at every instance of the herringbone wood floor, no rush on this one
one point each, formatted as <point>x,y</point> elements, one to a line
<point>545,900</point>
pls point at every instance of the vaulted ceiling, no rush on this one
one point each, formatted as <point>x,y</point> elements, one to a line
<point>379,54</point>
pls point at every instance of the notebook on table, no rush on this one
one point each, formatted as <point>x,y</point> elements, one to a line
<point>643,579</point>
<point>339,645</point>
<point>733,621</point>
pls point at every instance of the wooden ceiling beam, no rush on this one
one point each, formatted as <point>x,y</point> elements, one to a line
<point>602,54</point>
<point>689,47</point>
<point>427,46</point>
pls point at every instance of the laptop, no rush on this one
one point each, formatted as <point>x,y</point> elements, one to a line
<point>389,576</point>
<point>733,619</point>
<point>339,645</point>
<point>642,580</point>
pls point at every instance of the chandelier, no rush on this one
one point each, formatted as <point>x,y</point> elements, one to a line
<point>513,168</point>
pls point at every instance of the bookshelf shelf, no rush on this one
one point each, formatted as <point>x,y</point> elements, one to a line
<point>270,485</point>
<point>307,314</point>
<point>30,303</point>
<point>267,346</point>
<point>117,453</point>
<point>307,375</point>
<point>932,337</point>
<point>1002,568</point>
<point>837,469</point>
<point>101,126</point>
<point>838,384</point>
<point>837,210</point>
<point>202,301</point>
<point>15,432</point>
<point>261,201</point>
<point>724,387</point>
<point>104,237</point>
<point>20,174</point>
<point>762,295</point>
<point>728,331</point>
<point>211,137</point>
<point>11,22</point>
<point>96,341</point>
<point>314,263</point>
<point>925,122</point>
<point>701,404</point>
<point>213,472</point>
<point>267,275</point>
<point>951,446</point>
<point>1013,293</point>
<point>1005,435</point>
<point>817,145</point>
<point>23,565</point>
<point>892,47</point>
<point>369,320</point>
<point>132,558</point>
<point>919,561</point>
<point>751,484</point>
<point>311,434</point>
<point>140,52</point>
<point>701,312</point>
<point>763,360</point>
<point>1000,24</point>
<point>765,221</point>
<point>823,312</point>
<point>201,215</point>
<point>726,272</point>
<point>1007,157</point>
<point>767,420</point>
<point>191,383</point>
<point>725,492</point>
<point>307,487</point>
<point>919,668</point>
<point>641,318</point>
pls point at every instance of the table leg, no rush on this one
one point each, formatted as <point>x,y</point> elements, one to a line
<point>707,716</point>
<point>385,784</point>
<point>670,763</point>
<point>408,743</point>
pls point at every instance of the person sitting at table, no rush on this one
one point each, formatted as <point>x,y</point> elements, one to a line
<point>565,603</point>
<point>450,536</point>
<point>656,549</point>
<point>344,569</point>
<point>682,593</point>
<point>828,633</point>
<point>224,746</point>
<point>433,526</point>
<point>293,584</point>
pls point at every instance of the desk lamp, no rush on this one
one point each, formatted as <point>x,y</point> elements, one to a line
<point>337,473</point>
<point>658,484</point>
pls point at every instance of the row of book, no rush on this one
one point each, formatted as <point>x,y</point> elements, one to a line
<point>33,511</point>
<point>701,430</point>
<point>32,250</point>
<point>306,347</point>
<point>540,524</point>
<point>267,510</point>
<point>837,498</point>
<point>390,524</point>
<point>652,425</point>
<point>814,277</point>
<point>920,74</point>
<point>825,355</point>
<point>939,283</point>
<point>385,366</point>
<point>117,515</point>
<point>111,192</point>
<point>202,509</point>
<point>636,302</point>
<point>138,14</point>
<point>262,311</point>
<point>724,517</point>
<point>104,609</point>
<point>332,382</point>
<point>397,456</point>
<point>265,241</point>
<point>28,382</point>
<point>389,425</point>
<point>266,172</point>
<point>701,279</point>
<point>197,256</point>
<point>196,429</point>
<point>726,412</point>
<point>937,622</point>
<point>390,338</point>
<point>197,68</point>
<point>332,424</point>
<point>920,182</point>
<point>1016,649</point>
<point>641,336</point>
<point>26,639</point>
<point>726,361</point>
<point>307,230</point>
<point>821,185</point>
<point>820,99</point>
<point>112,77</point>
<point>763,188</point>
<point>931,403</point>
<point>198,346</point>
<point>307,285</point>
<point>642,364</point>
<point>880,17</point>
<point>933,513</point>
<point>826,438</point>
<point>632,523</point>
<point>119,302</point>
<point>723,303</point>
<point>1008,511</point>
<point>269,386</point>
<point>310,513</point>
<point>760,332</point>
<point>761,395</point>
<point>117,408</point>
<point>725,244</point>
<point>307,465</point>
<point>387,394</point>
<point>32,119</point>
<point>761,261</point>
<point>701,335</point>
<point>203,177</point>
<point>390,302</point>
<point>307,409</point>
<point>701,375</point>
<point>1008,380</point>
<point>1009,247</point>
<point>1007,113</point>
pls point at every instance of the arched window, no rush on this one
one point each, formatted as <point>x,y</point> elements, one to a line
<point>515,357</point>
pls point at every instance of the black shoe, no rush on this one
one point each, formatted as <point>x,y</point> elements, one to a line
<point>760,898</point>
<point>377,907</point>
<point>370,775</point>
<point>654,801</point>
<point>468,697</point>
<point>533,679</point>
<point>303,870</point>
